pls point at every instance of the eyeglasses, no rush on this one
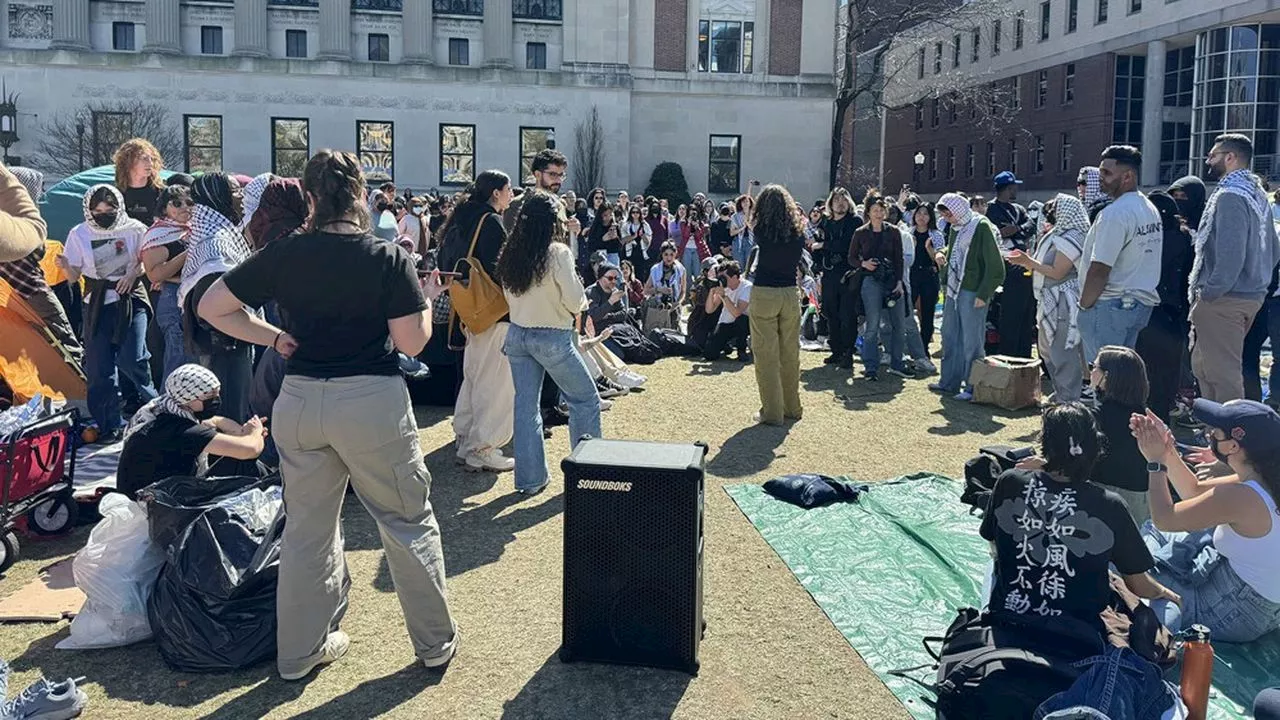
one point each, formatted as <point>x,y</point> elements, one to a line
<point>610,277</point>
<point>552,174</point>
<point>179,204</point>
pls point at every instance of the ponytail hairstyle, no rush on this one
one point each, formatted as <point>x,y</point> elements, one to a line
<point>1070,441</point>
<point>335,183</point>
<point>485,185</point>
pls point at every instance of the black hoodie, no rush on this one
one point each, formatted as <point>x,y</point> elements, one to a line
<point>457,239</point>
<point>1193,207</point>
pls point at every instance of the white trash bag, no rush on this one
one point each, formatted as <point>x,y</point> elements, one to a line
<point>116,570</point>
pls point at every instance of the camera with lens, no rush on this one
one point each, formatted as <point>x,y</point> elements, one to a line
<point>885,275</point>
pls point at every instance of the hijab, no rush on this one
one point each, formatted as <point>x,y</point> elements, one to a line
<point>184,385</point>
<point>253,196</point>
<point>282,210</point>
<point>1091,178</point>
<point>213,190</point>
<point>123,223</point>
<point>216,244</point>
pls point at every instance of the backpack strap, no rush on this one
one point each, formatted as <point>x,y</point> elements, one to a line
<point>964,671</point>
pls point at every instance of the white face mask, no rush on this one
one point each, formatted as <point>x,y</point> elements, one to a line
<point>416,210</point>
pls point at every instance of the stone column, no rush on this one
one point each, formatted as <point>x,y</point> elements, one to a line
<point>335,30</point>
<point>497,33</point>
<point>419,33</point>
<point>251,28</point>
<point>163,23</point>
<point>692,13</point>
<point>1153,113</point>
<point>760,42</point>
<point>70,25</point>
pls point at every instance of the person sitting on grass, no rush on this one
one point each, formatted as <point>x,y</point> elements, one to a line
<point>174,434</point>
<point>731,298</point>
<point>1119,379</point>
<point>1219,546</point>
<point>607,302</point>
<point>701,322</point>
<point>1054,535</point>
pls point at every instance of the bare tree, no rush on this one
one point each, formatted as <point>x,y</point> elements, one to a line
<point>75,140</point>
<point>875,42</point>
<point>588,156</point>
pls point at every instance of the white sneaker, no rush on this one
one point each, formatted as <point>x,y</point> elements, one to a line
<point>335,646</point>
<point>491,460</point>
<point>605,404</point>
<point>629,379</point>
<point>446,657</point>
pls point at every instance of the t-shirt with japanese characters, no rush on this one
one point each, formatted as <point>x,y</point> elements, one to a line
<point>1054,543</point>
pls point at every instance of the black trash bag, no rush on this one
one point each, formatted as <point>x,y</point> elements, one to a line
<point>174,503</point>
<point>214,605</point>
<point>671,342</point>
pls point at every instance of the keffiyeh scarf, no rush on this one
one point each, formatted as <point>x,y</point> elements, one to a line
<point>32,180</point>
<point>185,384</point>
<point>1092,185</point>
<point>965,222</point>
<point>253,197</point>
<point>1246,185</point>
<point>164,231</point>
<point>216,245</point>
<point>1069,231</point>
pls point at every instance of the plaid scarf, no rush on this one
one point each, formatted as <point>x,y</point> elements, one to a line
<point>965,224</point>
<point>215,245</point>
<point>184,385</point>
<point>1069,230</point>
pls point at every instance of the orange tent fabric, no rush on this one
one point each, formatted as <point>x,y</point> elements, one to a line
<point>30,362</point>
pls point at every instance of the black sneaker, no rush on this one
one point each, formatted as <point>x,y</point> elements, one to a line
<point>873,377</point>
<point>744,357</point>
<point>606,390</point>
<point>832,359</point>
<point>845,362</point>
<point>905,373</point>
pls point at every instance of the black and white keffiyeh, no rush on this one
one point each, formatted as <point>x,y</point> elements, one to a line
<point>216,243</point>
<point>185,384</point>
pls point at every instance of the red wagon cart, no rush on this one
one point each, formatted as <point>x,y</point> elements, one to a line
<point>35,481</point>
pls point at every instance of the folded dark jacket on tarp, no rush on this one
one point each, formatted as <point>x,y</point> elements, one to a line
<point>809,490</point>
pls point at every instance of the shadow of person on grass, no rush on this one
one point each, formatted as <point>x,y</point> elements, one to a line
<point>371,698</point>
<point>560,690</point>
<point>748,451</point>
<point>964,418</point>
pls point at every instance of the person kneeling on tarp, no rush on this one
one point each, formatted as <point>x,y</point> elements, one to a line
<point>175,433</point>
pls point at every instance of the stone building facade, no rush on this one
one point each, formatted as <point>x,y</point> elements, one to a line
<point>432,91</point>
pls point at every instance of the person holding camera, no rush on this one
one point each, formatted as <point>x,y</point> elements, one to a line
<point>607,302</point>
<point>732,298</point>
<point>876,251</point>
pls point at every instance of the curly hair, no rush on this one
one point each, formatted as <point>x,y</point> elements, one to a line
<point>777,220</point>
<point>522,263</point>
<point>128,155</point>
<point>336,182</point>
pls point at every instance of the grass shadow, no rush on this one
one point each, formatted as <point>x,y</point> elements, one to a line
<point>371,698</point>
<point>574,690</point>
<point>713,368</point>
<point>748,451</point>
<point>965,417</point>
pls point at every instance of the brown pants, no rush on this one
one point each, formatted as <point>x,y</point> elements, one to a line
<point>1218,328</point>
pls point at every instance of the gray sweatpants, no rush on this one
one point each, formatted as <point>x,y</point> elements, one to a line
<point>1065,367</point>
<point>360,428</point>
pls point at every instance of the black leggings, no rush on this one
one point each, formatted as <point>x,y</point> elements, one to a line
<point>925,287</point>
<point>840,309</point>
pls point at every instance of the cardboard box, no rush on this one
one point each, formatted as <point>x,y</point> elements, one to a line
<point>1009,382</point>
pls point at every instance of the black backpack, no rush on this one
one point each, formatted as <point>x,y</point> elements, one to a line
<point>997,667</point>
<point>671,342</point>
<point>982,471</point>
<point>636,348</point>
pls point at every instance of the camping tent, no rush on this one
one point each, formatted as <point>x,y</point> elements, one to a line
<point>31,361</point>
<point>63,204</point>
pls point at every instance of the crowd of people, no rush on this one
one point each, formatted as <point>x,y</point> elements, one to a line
<point>302,304</point>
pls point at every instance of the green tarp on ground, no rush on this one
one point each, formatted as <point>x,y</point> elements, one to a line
<point>896,567</point>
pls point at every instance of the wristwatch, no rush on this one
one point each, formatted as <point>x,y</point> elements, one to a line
<point>1155,467</point>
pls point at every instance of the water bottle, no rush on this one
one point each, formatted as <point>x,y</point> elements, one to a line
<point>1197,671</point>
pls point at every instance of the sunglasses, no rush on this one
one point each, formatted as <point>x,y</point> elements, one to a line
<point>182,204</point>
<point>611,277</point>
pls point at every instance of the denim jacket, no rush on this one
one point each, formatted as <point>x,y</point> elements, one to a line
<point>1117,685</point>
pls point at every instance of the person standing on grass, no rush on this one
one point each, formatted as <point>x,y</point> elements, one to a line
<point>924,270</point>
<point>838,302</point>
<point>1120,262</point>
<point>1236,252</point>
<point>972,269</point>
<point>774,309</point>
<point>343,415</point>
<point>875,243</point>
<point>1017,302</point>
<point>538,278</point>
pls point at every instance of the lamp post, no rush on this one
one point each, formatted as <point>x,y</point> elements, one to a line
<point>551,139</point>
<point>919,166</point>
<point>80,141</point>
<point>8,123</point>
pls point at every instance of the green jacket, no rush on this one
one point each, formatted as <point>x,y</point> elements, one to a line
<point>984,268</point>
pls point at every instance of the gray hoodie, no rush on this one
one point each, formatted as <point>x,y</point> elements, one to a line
<point>1232,262</point>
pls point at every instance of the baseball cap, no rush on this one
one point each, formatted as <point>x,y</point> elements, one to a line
<point>1006,178</point>
<point>1250,423</point>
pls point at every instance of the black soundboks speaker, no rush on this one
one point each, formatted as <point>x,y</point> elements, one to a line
<point>633,553</point>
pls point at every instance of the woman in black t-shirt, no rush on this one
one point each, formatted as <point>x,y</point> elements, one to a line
<point>175,433</point>
<point>924,268</point>
<point>1119,379</point>
<point>1054,533</point>
<point>774,310</point>
<point>343,412</point>
<point>138,165</point>
<point>605,236</point>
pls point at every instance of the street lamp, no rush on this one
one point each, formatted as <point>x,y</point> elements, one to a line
<point>80,141</point>
<point>8,122</point>
<point>551,139</point>
<point>919,158</point>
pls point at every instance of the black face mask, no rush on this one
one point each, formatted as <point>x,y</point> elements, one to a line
<point>104,220</point>
<point>1213,445</point>
<point>211,407</point>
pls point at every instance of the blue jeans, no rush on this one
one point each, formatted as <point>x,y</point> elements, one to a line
<point>1273,329</point>
<point>102,358</point>
<point>1112,322</point>
<point>873,306</point>
<point>964,335</point>
<point>1117,684</point>
<point>692,265</point>
<point>1212,593</point>
<point>742,249</point>
<point>169,318</point>
<point>535,353</point>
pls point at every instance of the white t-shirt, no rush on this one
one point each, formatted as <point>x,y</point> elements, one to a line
<point>735,296</point>
<point>103,257</point>
<point>1129,237</point>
